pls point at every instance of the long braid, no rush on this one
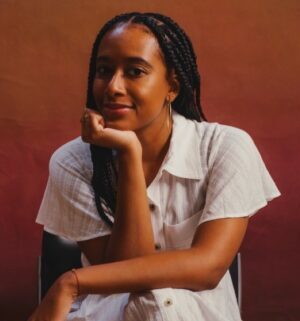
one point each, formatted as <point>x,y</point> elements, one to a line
<point>180,56</point>
<point>179,53</point>
<point>188,51</point>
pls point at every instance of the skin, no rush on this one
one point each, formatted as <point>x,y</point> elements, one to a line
<point>131,75</point>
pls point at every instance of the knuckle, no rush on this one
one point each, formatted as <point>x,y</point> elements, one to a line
<point>84,137</point>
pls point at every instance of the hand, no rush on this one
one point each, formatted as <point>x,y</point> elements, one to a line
<point>58,300</point>
<point>93,131</point>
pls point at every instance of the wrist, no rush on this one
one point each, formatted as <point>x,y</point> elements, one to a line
<point>131,151</point>
<point>68,284</point>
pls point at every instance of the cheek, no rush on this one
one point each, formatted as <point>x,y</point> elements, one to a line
<point>152,92</point>
<point>98,89</point>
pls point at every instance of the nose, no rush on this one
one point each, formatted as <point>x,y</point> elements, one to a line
<point>116,84</point>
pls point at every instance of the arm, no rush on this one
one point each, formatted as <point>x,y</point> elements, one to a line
<point>199,268</point>
<point>214,246</point>
<point>132,217</point>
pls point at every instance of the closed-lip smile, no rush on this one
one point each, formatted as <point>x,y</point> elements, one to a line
<point>113,105</point>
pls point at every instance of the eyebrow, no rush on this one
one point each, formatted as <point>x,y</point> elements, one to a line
<point>136,60</point>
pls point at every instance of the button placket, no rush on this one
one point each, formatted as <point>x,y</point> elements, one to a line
<point>152,208</point>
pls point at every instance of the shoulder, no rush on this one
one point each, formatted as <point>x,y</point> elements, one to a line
<point>219,133</point>
<point>228,145</point>
<point>215,142</point>
<point>225,136</point>
<point>209,131</point>
<point>72,158</point>
<point>211,136</point>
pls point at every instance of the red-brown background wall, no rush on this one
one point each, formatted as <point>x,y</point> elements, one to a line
<point>248,53</point>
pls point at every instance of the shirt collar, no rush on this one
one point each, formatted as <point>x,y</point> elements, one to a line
<point>183,157</point>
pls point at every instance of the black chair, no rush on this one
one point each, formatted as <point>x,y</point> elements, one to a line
<point>60,255</point>
<point>236,276</point>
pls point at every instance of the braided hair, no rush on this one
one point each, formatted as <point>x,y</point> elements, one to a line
<point>179,56</point>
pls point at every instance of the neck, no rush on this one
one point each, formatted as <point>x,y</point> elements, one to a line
<point>155,144</point>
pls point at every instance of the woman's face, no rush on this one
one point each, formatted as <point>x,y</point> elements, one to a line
<point>131,85</point>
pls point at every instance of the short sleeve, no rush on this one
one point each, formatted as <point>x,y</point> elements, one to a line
<point>238,182</point>
<point>68,207</point>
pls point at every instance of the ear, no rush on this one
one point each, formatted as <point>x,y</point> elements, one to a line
<point>174,85</point>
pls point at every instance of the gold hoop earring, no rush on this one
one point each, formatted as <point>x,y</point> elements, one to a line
<point>169,122</point>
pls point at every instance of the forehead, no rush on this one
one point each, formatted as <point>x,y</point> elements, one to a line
<point>130,40</point>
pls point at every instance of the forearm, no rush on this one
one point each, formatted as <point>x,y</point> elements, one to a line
<point>132,233</point>
<point>177,269</point>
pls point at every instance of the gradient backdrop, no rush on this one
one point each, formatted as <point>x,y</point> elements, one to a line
<point>248,53</point>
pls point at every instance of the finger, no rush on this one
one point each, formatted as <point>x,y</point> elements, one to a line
<point>97,122</point>
<point>85,126</point>
<point>91,111</point>
<point>89,114</point>
<point>96,115</point>
<point>85,116</point>
<point>92,124</point>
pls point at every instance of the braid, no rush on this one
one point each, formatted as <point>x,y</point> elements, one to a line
<point>183,46</point>
<point>179,55</point>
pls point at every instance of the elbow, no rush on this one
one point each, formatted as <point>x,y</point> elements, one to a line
<point>208,284</point>
<point>214,277</point>
<point>212,283</point>
<point>209,280</point>
<point>202,285</point>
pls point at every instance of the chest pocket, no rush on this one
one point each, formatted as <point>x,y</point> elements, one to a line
<point>180,235</point>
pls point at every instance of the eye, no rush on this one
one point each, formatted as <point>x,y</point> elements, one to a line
<point>135,72</point>
<point>103,71</point>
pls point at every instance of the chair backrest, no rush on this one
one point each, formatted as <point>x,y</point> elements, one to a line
<point>60,255</point>
<point>236,276</point>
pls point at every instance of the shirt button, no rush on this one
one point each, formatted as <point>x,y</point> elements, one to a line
<point>168,302</point>
<point>157,246</point>
<point>152,207</point>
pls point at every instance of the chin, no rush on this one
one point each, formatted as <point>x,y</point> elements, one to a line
<point>118,124</point>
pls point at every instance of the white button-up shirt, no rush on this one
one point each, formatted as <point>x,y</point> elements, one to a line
<point>211,171</point>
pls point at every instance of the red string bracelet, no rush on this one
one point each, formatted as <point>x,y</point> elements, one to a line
<point>77,281</point>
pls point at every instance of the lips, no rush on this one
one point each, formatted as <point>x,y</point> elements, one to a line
<point>115,110</point>
<point>113,105</point>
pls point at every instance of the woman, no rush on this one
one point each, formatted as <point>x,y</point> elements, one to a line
<point>157,199</point>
